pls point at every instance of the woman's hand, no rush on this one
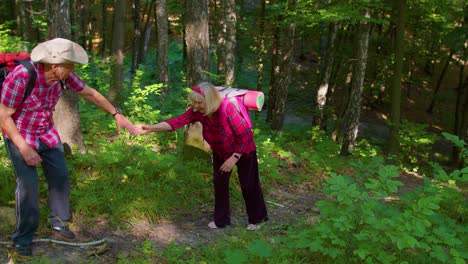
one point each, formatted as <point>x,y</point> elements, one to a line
<point>228,164</point>
<point>141,129</point>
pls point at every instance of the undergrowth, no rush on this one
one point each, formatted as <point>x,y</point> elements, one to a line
<point>125,179</point>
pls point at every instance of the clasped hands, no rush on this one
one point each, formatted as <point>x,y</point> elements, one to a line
<point>122,121</point>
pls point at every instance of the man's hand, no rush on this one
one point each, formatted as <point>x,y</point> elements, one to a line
<point>30,156</point>
<point>122,121</point>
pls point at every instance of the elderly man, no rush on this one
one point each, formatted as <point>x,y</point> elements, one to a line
<point>32,139</point>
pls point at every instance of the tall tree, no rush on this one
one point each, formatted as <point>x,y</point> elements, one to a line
<point>353,111</point>
<point>399,13</point>
<point>117,53</point>
<point>163,42</point>
<point>282,52</point>
<point>136,35</point>
<point>83,22</point>
<point>220,27</point>
<point>326,71</point>
<point>198,67</point>
<point>25,20</point>
<point>231,41</point>
<point>260,40</point>
<point>66,115</point>
<point>149,24</point>
<point>104,30</point>
<point>197,40</point>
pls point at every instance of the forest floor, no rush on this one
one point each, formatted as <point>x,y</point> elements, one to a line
<point>285,205</point>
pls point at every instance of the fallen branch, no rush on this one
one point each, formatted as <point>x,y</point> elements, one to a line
<point>75,244</point>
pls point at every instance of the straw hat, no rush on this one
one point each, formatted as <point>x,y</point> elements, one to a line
<point>59,50</point>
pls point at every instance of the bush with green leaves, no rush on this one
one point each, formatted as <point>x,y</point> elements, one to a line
<point>9,42</point>
<point>366,220</point>
<point>415,145</point>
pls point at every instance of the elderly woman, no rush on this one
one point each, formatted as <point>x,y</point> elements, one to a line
<point>232,143</point>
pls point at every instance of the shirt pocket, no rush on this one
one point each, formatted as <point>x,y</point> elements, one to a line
<point>32,103</point>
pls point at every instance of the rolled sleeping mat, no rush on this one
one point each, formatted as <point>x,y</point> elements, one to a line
<point>253,100</point>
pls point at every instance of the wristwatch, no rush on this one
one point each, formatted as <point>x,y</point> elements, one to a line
<point>117,111</point>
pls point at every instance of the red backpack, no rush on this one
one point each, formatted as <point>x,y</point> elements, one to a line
<point>8,62</point>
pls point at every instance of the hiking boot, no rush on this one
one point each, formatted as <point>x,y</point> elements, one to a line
<point>64,233</point>
<point>23,252</point>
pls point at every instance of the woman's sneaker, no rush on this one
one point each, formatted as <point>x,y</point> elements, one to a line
<point>23,252</point>
<point>253,227</point>
<point>64,233</point>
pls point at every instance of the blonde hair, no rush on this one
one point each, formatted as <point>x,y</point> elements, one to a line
<point>212,97</point>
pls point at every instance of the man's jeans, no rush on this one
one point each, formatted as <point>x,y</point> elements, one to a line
<point>27,190</point>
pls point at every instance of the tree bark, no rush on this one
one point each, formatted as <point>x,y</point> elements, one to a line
<point>231,42</point>
<point>83,15</point>
<point>430,109</point>
<point>104,32</point>
<point>197,39</point>
<point>221,42</point>
<point>461,115</point>
<point>66,115</point>
<point>353,112</point>
<point>322,91</point>
<point>149,23</point>
<point>163,43</point>
<point>261,45</point>
<point>136,35</point>
<point>283,45</point>
<point>117,56</point>
<point>25,8</point>
<point>198,68</point>
<point>400,13</point>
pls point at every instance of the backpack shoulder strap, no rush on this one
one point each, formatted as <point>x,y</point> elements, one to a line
<point>32,77</point>
<point>236,101</point>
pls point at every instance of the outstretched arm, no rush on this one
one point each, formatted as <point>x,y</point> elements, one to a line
<point>162,126</point>
<point>99,100</point>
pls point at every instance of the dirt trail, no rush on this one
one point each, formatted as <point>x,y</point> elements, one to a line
<point>283,205</point>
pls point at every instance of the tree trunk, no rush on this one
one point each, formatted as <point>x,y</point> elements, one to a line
<point>281,72</point>
<point>221,42</point>
<point>198,68</point>
<point>83,15</point>
<point>104,32</point>
<point>136,35</point>
<point>66,115</point>
<point>261,45</point>
<point>149,23</point>
<point>74,18</point>
<point>117,56</point>
<point>430,109</point>
<point>231,37</point>
<point>461,115</point>
<point>322,91</point>
<point>163,43</point>
<point>25,9</point>
<point>400,13</point>
<point>353,112</point>
<point>197,39</point>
